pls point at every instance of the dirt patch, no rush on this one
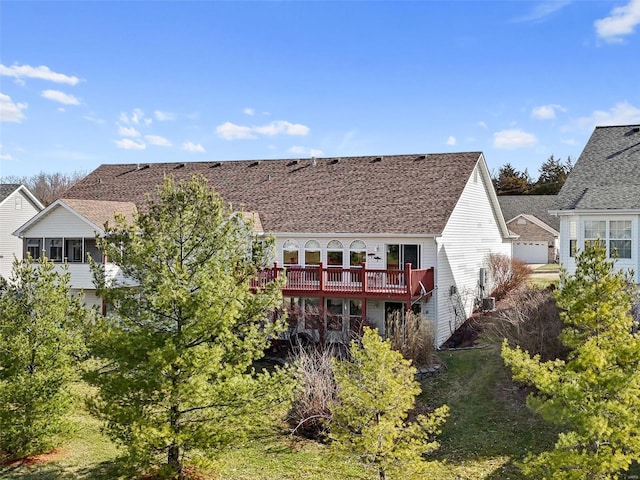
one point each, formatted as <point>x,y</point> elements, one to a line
<point>51,456</point>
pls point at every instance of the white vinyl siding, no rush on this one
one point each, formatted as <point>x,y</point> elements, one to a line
<point>12,218</point>
<point>600,225</point>
<point>471,234</point>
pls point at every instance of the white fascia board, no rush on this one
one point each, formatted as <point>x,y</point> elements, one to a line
<point>337,235</point>
<point>493,197</point>
<point>599,211</point>
<point>39,216</point>
<point>538,222</point>
<point>26,192</point>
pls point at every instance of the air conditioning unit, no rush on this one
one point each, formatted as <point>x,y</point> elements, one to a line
<point>489,304</point>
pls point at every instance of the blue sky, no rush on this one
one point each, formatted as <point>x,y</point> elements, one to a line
<point>86,83</point>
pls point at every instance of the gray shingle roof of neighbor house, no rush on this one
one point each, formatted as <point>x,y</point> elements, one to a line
<point>370,194</point>
<point>536,205</point>
<point>7,189</point>
<point>607,173</point>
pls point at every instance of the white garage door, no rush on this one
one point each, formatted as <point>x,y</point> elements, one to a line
<point>531,252</point>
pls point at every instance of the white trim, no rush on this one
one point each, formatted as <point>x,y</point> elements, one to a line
<point>537,221</point>
<point>626,211</point>
<point>20,232</point>
<point>26,191</point>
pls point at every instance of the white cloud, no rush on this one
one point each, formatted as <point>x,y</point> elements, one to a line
<point>44,73</point>
<point>231,131</point>
<point>542,10</point>
<point>60,97</point>
<point>136,117</point>
<point>128,131</point>
<point>311,152</point>
<point>10,111</point>
<point>128,144</point>
<point>164,116</point>
<point>451,140</point>
<point>192,147</point>
<point>546,112</point>
<point>512,139</point>
<point>482,124</point>
<point>622,113</point>
<point>249,111</point>
<point>284,127</point>
<point>157,140</point>
<point>620,22</point>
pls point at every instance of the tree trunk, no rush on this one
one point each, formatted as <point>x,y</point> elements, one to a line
<point>173,459</point>
<point>173,455</point>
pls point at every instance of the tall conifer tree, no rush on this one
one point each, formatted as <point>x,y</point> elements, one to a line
<point>185,328</point>
<point>595,393</point>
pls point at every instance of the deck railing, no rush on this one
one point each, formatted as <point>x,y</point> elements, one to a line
<point>360,281</point>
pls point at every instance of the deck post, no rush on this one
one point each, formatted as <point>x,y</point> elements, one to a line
<point>363,265</point>
<point>408,284</point>
<point>321,274</point>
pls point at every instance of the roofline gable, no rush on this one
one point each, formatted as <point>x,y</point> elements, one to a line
<point>28,193</point>
<point>58,203</point>
<point>537,221</point>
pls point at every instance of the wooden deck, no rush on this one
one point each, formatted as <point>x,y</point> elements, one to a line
<point>355,282</point>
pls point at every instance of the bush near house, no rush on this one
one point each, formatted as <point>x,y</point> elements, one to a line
<point>508,274</point>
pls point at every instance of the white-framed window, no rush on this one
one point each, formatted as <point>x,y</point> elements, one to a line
<point>620,238</point>
<point>573,238</point>
<point>335,253</point>
<point>312,253</point>
<point>613,235</point>
<point>357,253</point>
<point>291,253</point>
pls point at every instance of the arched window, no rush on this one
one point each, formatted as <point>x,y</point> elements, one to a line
<point>335,253</point>
<point>312,253</point>
<point>290,252</point>
<point>357,253</point>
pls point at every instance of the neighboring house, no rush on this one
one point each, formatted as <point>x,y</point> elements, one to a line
<point>66,231</point>
<point>601,198</point>
<point>17,205</point>
<point>538,232</point>
<point>357,237</point>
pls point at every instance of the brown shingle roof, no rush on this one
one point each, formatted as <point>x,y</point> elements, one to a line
<point>390,194</point>
<point>100,212</point>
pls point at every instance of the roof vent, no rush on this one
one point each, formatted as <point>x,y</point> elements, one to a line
<point>376,160</point>
<point>314,162</point>
<point>420,157</point>
<point>142,167</point>
<point>636,129</point>
<point>216,165</point>
<point>254,164</point>
<point>292,163</point>
<point>333,162</point>
<point>180,165</point>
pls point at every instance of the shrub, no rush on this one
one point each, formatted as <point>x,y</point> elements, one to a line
<point>508,274</point>
<point>310,412</point>
<point>376,392</point>
<point>412,336</point>
<point>531,320</point>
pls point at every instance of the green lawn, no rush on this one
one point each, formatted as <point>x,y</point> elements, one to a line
<point>489,428</point>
